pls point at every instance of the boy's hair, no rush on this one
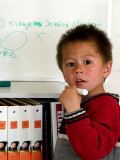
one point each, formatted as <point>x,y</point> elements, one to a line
<point>87,33</point>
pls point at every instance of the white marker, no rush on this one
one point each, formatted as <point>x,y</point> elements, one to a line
<point>83,92</point>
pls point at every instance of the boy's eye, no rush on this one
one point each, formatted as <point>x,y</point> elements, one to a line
<point>87,62</point>
<point>70,64</point>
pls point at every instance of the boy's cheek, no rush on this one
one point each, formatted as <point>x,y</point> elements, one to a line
<point>68,78</point>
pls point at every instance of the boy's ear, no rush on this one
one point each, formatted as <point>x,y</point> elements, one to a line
<point>107,69</point>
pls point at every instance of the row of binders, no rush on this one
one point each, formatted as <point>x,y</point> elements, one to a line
<point>29,128</point>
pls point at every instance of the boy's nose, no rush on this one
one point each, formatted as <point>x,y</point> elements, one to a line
<point>78,69</point>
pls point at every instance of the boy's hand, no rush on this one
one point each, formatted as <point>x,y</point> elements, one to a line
<point>70,99</point>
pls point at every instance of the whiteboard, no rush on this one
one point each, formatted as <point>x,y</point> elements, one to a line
<point>30,30</point>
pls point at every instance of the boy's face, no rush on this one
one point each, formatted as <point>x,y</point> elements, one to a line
<point>37,144</point>
<point>83,66</point>
<point>25,145</point>
<point>13,145</point>
<point>1,145</point>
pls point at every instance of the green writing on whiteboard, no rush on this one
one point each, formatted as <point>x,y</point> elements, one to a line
<point>8,43</point>
<point>8,53</point>
<point>40,24</point>
<point>18,33</point>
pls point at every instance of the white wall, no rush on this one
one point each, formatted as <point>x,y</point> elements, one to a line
<point>113,84</point>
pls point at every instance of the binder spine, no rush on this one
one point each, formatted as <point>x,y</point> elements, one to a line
<point>3,132</point>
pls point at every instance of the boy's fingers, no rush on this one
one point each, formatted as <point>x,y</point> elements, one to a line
<point>73,86</point>
<point>67,87</point>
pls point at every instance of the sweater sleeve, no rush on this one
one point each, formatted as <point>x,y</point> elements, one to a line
<point>94,130</point>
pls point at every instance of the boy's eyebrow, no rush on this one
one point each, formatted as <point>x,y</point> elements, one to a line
<point>67,58</point>
<point>89,55</point>
<point>70,58</point>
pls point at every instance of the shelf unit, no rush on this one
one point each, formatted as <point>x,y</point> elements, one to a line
<point>32,90</point>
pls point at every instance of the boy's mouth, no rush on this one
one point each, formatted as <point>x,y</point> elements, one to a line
<point>80,81</point>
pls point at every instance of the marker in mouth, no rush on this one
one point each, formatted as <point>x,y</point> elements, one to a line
<point>83,92</point>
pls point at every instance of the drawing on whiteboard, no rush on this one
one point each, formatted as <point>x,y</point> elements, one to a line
<point>11,43</point>
<point>16,40</point>
<point>38,35</point>
<point>2,24</point>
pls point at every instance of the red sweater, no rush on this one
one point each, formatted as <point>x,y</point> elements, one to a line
<point>94,130</point>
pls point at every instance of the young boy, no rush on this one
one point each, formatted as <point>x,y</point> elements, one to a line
<point>91,126</point>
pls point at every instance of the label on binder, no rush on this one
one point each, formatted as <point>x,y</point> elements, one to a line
<point>2,124</point>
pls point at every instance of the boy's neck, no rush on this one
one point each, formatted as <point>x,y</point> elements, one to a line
<point>92,94</point>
